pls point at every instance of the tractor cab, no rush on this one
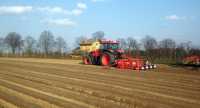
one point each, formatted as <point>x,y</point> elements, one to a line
<point>107,44</point>
<point>111,46</point>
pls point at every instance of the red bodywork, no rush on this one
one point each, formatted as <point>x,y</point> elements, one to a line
<point>96,53</point>
<point>194,59</point>
<point>118,58</point>
<point>130,63</point>
<point>134,63</point>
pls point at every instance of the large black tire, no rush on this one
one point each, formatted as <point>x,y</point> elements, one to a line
<point>107,59</point>
<point>87,60</point>
<point>92,59</point>
<point>96,60</point>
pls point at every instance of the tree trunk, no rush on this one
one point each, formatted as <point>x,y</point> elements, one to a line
<point>13,51</point>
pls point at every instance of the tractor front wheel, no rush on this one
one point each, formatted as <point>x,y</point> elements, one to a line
<point>87,60</point>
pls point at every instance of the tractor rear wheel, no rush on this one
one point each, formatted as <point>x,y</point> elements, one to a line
<point>107,59</point>
<point>87,60</point>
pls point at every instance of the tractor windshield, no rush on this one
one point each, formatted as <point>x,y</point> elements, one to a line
<point>111,46</point>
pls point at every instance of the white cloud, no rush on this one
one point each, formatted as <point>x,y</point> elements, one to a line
<point>53,10</point>
<point>60,22</point>
<point>82,6</point>
<point>78,10</point>
<point>15,9</point>
<point>65,22</point>
<point>174,17</point>
<point>97,0</point>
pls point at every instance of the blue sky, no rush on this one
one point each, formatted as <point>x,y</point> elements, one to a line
<point>176,19</point>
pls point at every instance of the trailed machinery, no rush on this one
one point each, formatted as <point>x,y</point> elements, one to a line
<point>108,53</point>
<point>192,60</point>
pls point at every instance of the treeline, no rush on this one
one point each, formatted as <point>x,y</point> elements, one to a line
<point>15,45</point>
<point>164,51</point>
<point>45,46</point>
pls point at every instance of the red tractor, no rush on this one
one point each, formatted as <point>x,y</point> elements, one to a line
<point>108,53</point>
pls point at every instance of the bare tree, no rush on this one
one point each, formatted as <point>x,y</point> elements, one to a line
<point>168,43</point>
<point>1,42</point>
<point>46,42</point>
<point>180,52</point>
<point>186,46</point>
<point>132,45</point>
<point>14,40</point>
<point>168,47</point>
<point>150,44</point>
<point>29,44</point>
<point>123,43</point>
<point>194,51</point>
<point>1,46</point>
<point>98,35</point>
<point>60,45</point>
<point>79,40</point>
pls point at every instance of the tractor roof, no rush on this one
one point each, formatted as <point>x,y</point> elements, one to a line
<point>87,42</point>
<point>108,41</point>
<point>102,41</point>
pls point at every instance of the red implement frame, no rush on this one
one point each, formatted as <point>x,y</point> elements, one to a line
<point>130,63</point>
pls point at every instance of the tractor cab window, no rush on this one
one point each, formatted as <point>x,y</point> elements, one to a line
<point>114,46</point>
<point>111,46</point>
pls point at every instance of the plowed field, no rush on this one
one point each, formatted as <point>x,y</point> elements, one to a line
<point>58,83</point>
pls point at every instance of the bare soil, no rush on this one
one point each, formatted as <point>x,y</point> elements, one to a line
<point>59,83</point>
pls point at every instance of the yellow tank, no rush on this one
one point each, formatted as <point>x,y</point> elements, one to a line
<point>90,46</point>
